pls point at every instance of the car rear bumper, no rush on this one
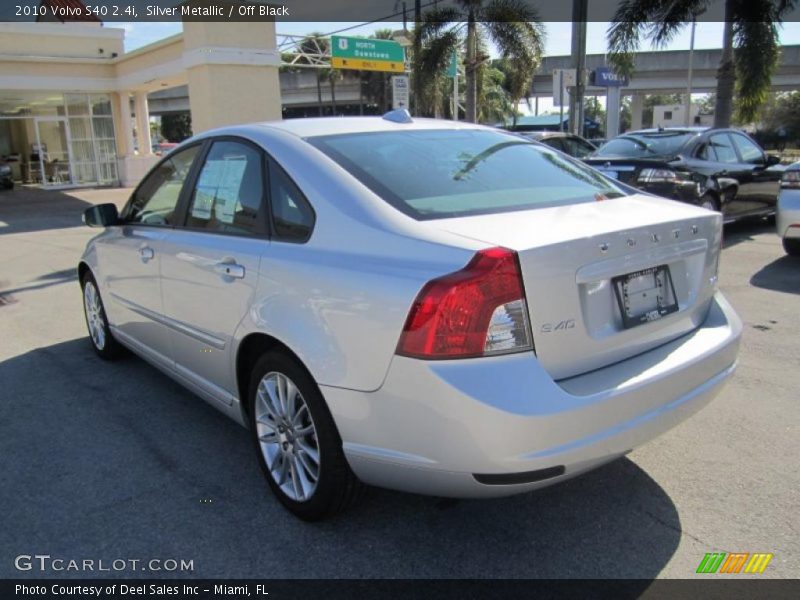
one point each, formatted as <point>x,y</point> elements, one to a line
<point>787,217</point>
<point>498,426</point>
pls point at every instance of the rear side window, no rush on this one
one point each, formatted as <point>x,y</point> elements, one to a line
<point>554,143</point>
<point>706,152</point>
<point>229,194</point>
<point>431,174</point>
<point>723,149</point>
<point>646,145</point>
<point>292,216</point>
<point>577,147</point>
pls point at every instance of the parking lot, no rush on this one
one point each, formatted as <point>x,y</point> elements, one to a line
<point>115,461</point>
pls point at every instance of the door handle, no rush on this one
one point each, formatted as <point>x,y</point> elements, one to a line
<point>230,269</point>
<point>146,253</point>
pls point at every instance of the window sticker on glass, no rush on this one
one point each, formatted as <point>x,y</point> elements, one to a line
<point>218,189</point>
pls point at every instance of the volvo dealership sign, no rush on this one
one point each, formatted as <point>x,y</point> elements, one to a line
<point>605,77</point>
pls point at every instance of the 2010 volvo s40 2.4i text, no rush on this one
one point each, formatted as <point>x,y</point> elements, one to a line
<point>422,305</point>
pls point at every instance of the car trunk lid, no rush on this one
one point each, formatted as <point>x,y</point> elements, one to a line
<point>594,273</point>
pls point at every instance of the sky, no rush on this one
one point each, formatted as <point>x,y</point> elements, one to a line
<point>559,36</point>
<point>708,35</point>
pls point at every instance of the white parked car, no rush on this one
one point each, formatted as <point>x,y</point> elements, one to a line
<point>787,217</point>
<point>423,305</point>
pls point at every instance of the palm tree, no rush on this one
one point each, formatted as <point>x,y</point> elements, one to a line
<point>374,83</point>
<point>333,76</point>
<point>512,26</point>
<point>494,103</point>
<point>317,45</point>
<point>750,44</point>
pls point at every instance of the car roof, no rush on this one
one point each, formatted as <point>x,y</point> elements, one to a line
<point>669,129</point>
<point>318,126</point>
<point>540,135</point>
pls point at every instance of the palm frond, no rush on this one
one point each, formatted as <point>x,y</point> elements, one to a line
<point>513,27</point>
<point>436,20</point>
<point>756,54</point>
<point>656,20</point>
<point>438,39</point>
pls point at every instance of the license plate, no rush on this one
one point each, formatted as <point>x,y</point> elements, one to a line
<point>645,296</point>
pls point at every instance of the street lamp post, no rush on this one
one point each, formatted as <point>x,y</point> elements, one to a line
<point>689,76</point>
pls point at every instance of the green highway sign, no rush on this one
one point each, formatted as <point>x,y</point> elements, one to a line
<point>452,68</point>
<point>367,54</point>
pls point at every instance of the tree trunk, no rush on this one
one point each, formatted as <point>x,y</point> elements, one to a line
<point>319,94</point>
<point>416,88</point>
<point>726,74</point>
<point>470,68</point>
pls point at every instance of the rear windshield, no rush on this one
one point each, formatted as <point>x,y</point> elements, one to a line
<point>431,174</point>
<point>667,143</point>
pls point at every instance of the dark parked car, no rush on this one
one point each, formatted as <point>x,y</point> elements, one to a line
<point>720,169</point>
<point>572,144</point>
<point>6,180</point>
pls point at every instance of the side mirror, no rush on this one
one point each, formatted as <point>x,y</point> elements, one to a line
<point>101,215</point>
<point>773,160</point>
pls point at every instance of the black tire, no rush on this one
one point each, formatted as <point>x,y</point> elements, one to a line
<point>337,487</point>
<point>792,246</point>
<point>710,200</point>
<point>110,348</point>
<point>9,185</point>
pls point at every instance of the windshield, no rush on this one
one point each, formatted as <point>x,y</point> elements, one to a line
<point>665,143</point>
<point>430,174</point>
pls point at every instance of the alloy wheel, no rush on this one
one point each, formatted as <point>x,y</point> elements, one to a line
<point>287,436</point>
<point>94,315</point>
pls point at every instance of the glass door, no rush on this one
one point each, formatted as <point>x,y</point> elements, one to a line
<point>51,152</point>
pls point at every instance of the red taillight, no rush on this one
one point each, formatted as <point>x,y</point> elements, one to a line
<point>790,180</point>
<point>476,311</point>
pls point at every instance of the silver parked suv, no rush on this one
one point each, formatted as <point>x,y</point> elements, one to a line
<point>422,305</point>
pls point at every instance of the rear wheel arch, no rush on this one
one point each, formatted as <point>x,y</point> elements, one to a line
<point>252,347</point>
<point>714,196</point>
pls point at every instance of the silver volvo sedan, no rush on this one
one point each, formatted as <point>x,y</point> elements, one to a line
<point>422,305</point>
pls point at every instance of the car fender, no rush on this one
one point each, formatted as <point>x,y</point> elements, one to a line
<point>341,311</point>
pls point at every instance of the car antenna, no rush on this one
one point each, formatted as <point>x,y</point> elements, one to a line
<point>399,115</point>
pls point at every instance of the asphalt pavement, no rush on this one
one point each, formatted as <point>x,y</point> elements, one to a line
<point>114,461</point>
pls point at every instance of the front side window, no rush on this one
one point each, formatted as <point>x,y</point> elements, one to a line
<point>229,194</point>
<point>748,150</point>
<point>430,174</point>
<point>156,198</point>
<point>723,148</point>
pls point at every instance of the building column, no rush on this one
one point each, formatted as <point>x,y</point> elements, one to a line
<point>222,60</point>
<point>130,167</point>
<point>124,129</point>
<point>143,124</point>
<point>613,110</point>
<point>637,108</point>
